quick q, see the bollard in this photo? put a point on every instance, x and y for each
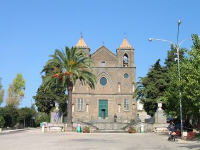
(79, 129)
(142, 128)
(42, 128)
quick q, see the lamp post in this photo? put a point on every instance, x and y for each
(177, 46)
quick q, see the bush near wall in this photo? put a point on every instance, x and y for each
(2, 121)
(86, 129)
(131, 130)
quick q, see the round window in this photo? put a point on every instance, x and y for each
(103, 81)
(126, 75)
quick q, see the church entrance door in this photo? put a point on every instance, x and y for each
(103, 108)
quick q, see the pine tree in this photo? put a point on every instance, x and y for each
(151, 88)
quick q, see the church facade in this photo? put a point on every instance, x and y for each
(112, 99)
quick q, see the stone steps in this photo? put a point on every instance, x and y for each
(105, 127)
(109, 126)
(110, 131)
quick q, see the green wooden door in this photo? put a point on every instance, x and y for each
(103, 108)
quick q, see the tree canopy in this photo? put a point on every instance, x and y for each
(16, 91)
(10, 115)
(162, 83)
(1, 92)
(70, 65)
(25, 116)
(47, 96)
(189, 85)
(151, 88)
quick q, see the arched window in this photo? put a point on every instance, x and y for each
(133, 88)
(125, 60)
(119, 87)
(103, 63)
(87, 107)
(119, 108)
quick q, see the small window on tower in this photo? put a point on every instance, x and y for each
(103, 64)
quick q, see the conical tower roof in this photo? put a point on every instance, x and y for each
(81, 43)
(125, 44)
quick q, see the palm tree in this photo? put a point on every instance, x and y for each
(71, 65)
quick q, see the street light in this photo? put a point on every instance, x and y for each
(177, 46)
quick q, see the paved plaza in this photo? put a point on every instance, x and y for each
(35, 140)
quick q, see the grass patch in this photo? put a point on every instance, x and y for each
(197, 136)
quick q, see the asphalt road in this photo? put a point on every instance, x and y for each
(35, 140)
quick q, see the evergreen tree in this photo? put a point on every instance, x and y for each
(25, 116)
(47, 95)
(1, 92)
(10, 115)
(151, 88)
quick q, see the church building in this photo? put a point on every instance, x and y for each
(112, 99)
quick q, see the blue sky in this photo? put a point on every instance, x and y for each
(30, 30)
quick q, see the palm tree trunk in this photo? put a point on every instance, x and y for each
(69, 108)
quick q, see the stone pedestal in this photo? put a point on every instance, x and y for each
(160, 124)
(56, 117)
(143, 115)
(160, 127)
(56, 121)
(160, 117)
(69, 128)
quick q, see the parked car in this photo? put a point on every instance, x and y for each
(186, 127)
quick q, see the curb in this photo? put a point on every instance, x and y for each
(12, 131)
(188, 142)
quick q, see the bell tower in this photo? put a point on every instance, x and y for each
(125, 54)
(82, 45)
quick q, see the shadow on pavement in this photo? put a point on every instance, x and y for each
(195, 147)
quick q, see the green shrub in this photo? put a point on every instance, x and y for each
(10, 115)
(25, 115)
(131, 130)
(2, 121)
(86, 129)
(41, 117)
(197, 136)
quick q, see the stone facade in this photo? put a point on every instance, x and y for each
(113, 93)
